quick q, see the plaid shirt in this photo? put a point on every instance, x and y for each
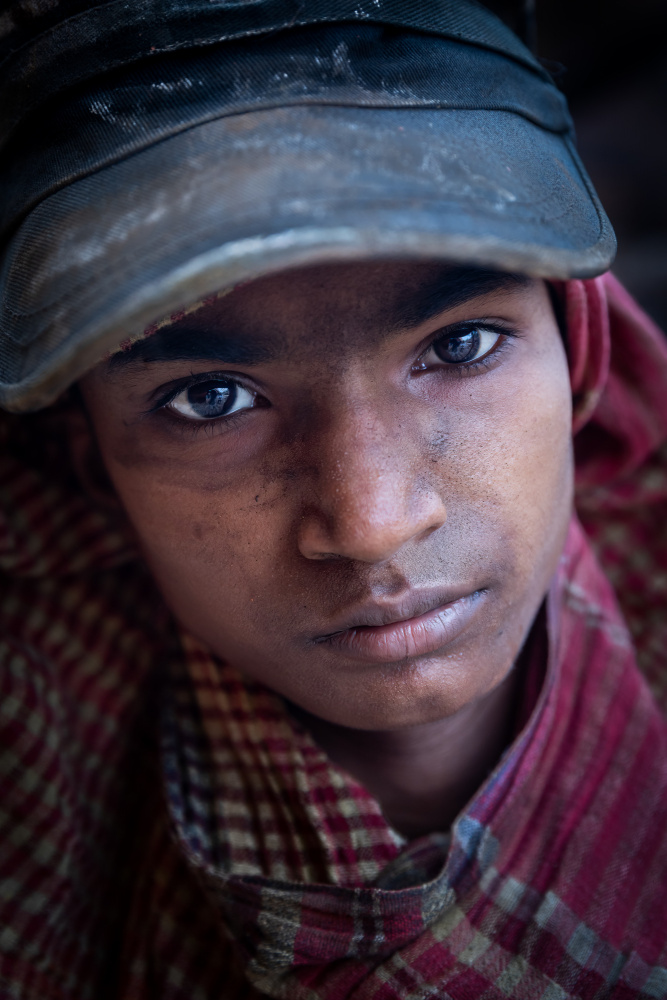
(168, 831)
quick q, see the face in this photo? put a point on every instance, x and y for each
(353, 482)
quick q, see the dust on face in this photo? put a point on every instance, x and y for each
(352, 481)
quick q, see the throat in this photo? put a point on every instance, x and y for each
(424, 775)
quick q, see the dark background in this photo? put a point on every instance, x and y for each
(610, 59)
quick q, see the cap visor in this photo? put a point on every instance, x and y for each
(226, 201)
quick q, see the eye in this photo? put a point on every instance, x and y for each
(218, 397)
(460, 347)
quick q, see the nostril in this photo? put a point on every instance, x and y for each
(433, 528)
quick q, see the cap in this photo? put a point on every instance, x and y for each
(157, 152)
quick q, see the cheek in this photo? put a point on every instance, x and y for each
(208, 532)
(515, 467)
(536, 439)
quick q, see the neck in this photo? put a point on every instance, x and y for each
(424, 775)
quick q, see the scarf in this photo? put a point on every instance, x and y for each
(168, 830)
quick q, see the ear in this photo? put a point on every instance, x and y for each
(85, 455)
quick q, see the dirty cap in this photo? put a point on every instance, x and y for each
(156, 152)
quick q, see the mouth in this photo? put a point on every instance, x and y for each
(382, 634)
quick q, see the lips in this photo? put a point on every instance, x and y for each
(382, 634)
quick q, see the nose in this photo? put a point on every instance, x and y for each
(371, 497)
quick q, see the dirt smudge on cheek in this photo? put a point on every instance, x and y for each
(167, 466)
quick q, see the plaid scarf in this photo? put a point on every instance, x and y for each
(169, 831)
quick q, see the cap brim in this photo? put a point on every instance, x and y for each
(95, 263)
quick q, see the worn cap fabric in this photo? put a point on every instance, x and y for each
(156, 152)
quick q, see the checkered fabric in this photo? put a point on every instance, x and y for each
(169, 832)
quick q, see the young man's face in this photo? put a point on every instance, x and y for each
(353, 482)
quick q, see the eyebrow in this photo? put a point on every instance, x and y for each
(183, 343)
(452, 288)
(455, 287)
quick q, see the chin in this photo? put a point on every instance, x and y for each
(404, 694)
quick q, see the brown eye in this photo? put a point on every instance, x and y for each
(212, 399)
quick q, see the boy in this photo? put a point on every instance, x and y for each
(313, 687)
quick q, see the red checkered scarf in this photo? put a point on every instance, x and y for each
(168, 831)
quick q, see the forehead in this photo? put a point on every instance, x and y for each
(353, 303)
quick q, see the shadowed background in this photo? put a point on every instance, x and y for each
(610, 59)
